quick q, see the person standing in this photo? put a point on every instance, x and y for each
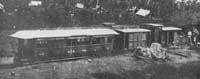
(195, 35)
(189, 34)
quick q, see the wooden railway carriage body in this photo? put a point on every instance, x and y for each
(169, 35)
(162, 34)
(131, 38)
(155, 31)
(39, 45)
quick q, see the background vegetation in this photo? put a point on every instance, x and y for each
(63, 13)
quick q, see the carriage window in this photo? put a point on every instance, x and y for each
(77, 41)
(131, 36)
(140, 35)
(109, 40)
(25, 42)
(41, 44)
(134, 36)
(73, 42)
(143, 36)
(85, 41)
(68, 42)
(95, 40)
(98, 40)
(55, 43)
(60, 43)
(81, 41)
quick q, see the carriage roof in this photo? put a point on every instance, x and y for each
(31, 34)
(153, 24)
(132, 30)
(170, 29)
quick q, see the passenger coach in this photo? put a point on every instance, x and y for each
(131, 38)
(39, 45)
(162, 34)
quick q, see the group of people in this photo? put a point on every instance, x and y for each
(192, 36)
(188, 37)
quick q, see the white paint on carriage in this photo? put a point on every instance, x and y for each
(133, 30)
(170, 28)
(153, 24)
(30, 34)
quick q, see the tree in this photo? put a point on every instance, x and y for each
(186, 13)
(63, 13)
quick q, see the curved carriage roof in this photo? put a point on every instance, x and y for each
(162, 27)
(153, 24)
(132, 30)
(170, 28)
(31, 34)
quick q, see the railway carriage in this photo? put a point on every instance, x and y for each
(131, 38)
(162, 34)
(41, 45)
(169, 35)
(155, 31)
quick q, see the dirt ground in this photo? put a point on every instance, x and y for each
(112, 67)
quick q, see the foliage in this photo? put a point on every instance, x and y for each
(186, 17)
(186, 13)
(63, 13)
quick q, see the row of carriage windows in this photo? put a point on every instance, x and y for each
(60, 43)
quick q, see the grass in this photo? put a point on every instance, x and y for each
(116, 67)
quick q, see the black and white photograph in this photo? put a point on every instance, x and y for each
(99, 39)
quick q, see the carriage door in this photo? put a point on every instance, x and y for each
(156, 36)
(56, 47)
(171, 37)
(41, 50)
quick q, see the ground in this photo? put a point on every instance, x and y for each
(110, 67)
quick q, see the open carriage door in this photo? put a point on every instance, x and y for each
(157, 36)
